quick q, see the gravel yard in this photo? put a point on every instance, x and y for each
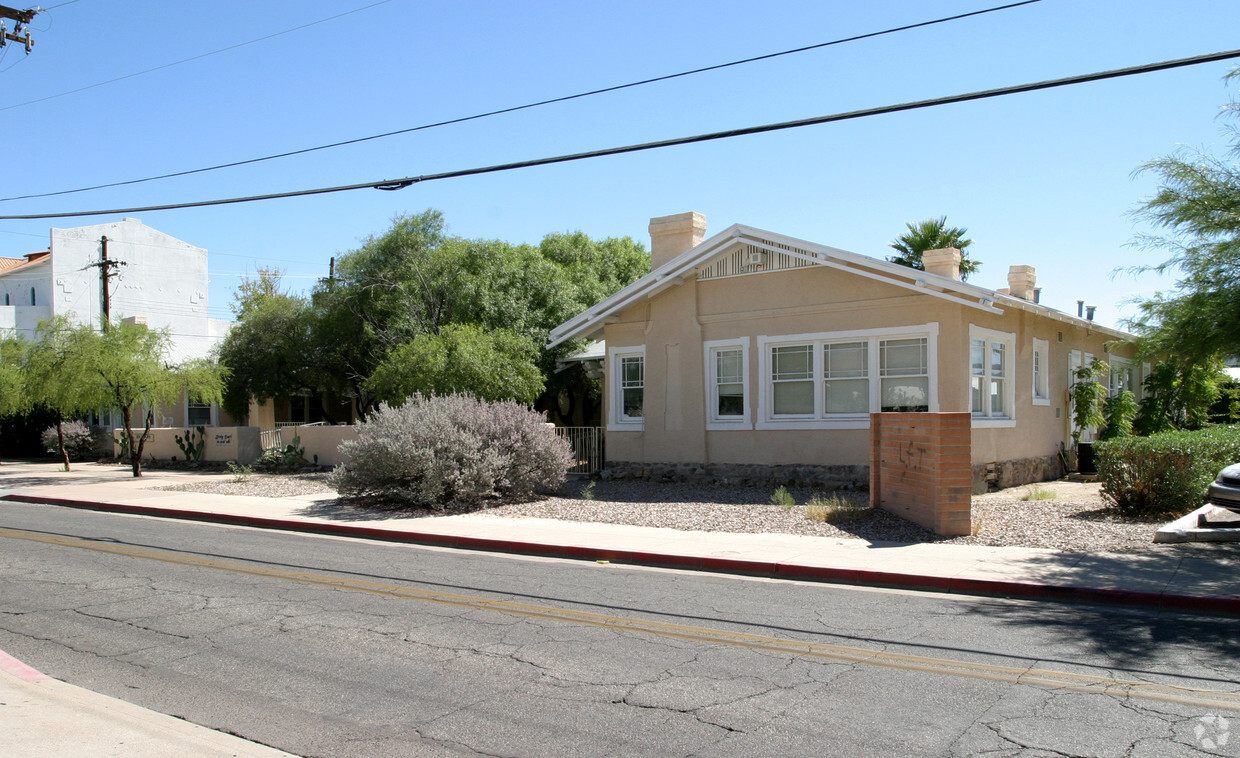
(1076, 520)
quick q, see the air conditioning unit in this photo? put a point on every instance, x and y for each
(754, 258)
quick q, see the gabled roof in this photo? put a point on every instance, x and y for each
(10, 265)
(804, 254)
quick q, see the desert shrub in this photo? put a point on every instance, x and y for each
(1165, 473)
(1038, 492)
(80, 442)
(452, 451)
(783, 498)
(836, 509)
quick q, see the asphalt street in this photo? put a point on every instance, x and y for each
(332, 647)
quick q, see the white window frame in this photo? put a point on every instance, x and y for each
(1040, 372)
(616, 420)
(1118, 367)
(215, 414)
(986, 419)
(714, 421)
(819, 420)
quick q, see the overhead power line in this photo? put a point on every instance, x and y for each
(191, 58)
(395, 184)
(512, 109)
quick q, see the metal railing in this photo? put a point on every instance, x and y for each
(587, 442)
(270, 439)
(284, 424)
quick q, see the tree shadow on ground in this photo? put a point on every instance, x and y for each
(1131, 638)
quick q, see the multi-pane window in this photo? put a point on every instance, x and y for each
(729, 383)
(1041, 391)
(198, 414)
(905, 375)
(626, 382)
(990, 388)
(841, 379)
(846, 377)
(632, 386)
(792, 380)
(1122, 377)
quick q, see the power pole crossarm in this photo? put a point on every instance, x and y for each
(21, 18)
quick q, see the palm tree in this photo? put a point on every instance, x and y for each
(933, 234)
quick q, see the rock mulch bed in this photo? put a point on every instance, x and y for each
(1076, 520)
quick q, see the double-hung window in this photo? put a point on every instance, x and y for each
(1041, 389)
(1123, 377)
(835, 380)
(727, 384)
(991, 390)
(626, 368)
(199, 414)
(904, 368)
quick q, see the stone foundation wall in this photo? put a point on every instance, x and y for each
(998, 475)
(829, 477)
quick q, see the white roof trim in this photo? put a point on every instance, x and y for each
(677, 270)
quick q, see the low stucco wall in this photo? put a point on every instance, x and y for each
(320, 441)
(222, 443)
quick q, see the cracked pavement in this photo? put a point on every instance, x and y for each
(282, 657)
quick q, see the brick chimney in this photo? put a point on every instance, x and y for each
(672, 235)
(944, 262)
(1021, 281)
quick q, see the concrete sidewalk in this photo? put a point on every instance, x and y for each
(45, 717)
(1168, 577)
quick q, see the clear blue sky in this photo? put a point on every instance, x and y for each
(1042, 179)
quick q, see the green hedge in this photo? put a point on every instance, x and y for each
(1167, 473)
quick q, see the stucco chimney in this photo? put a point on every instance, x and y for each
(1021, 281)
(672, 235)
(944, 262)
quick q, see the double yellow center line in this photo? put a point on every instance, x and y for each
(1043, 678)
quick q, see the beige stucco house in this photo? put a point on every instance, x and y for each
(755, 355)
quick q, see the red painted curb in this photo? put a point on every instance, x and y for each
(860, 577)
(14, 667)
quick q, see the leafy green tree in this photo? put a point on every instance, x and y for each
(491, 365)
(124, 367)
(1178, 395)
(269, 351)
(58, 378)
(1088, 393)
(12, 379)
(415, 280)
(933, 234)
(1197, 208)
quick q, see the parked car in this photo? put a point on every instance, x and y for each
(1225, 490)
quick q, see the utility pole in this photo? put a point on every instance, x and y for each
(22, 19)
(106, 271)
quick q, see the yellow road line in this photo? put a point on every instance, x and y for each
(1043, 678)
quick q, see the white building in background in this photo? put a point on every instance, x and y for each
(156, 279)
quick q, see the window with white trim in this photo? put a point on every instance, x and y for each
(835, 380)
(991, 390)
(199, 414)
(727, 384)
(1123, 377)
(627, 377)
(905, 375)
(1041, 386)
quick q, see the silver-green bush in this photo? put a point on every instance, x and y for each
(452, 452)
(80, 441)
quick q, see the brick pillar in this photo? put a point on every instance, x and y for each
(920, 468)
